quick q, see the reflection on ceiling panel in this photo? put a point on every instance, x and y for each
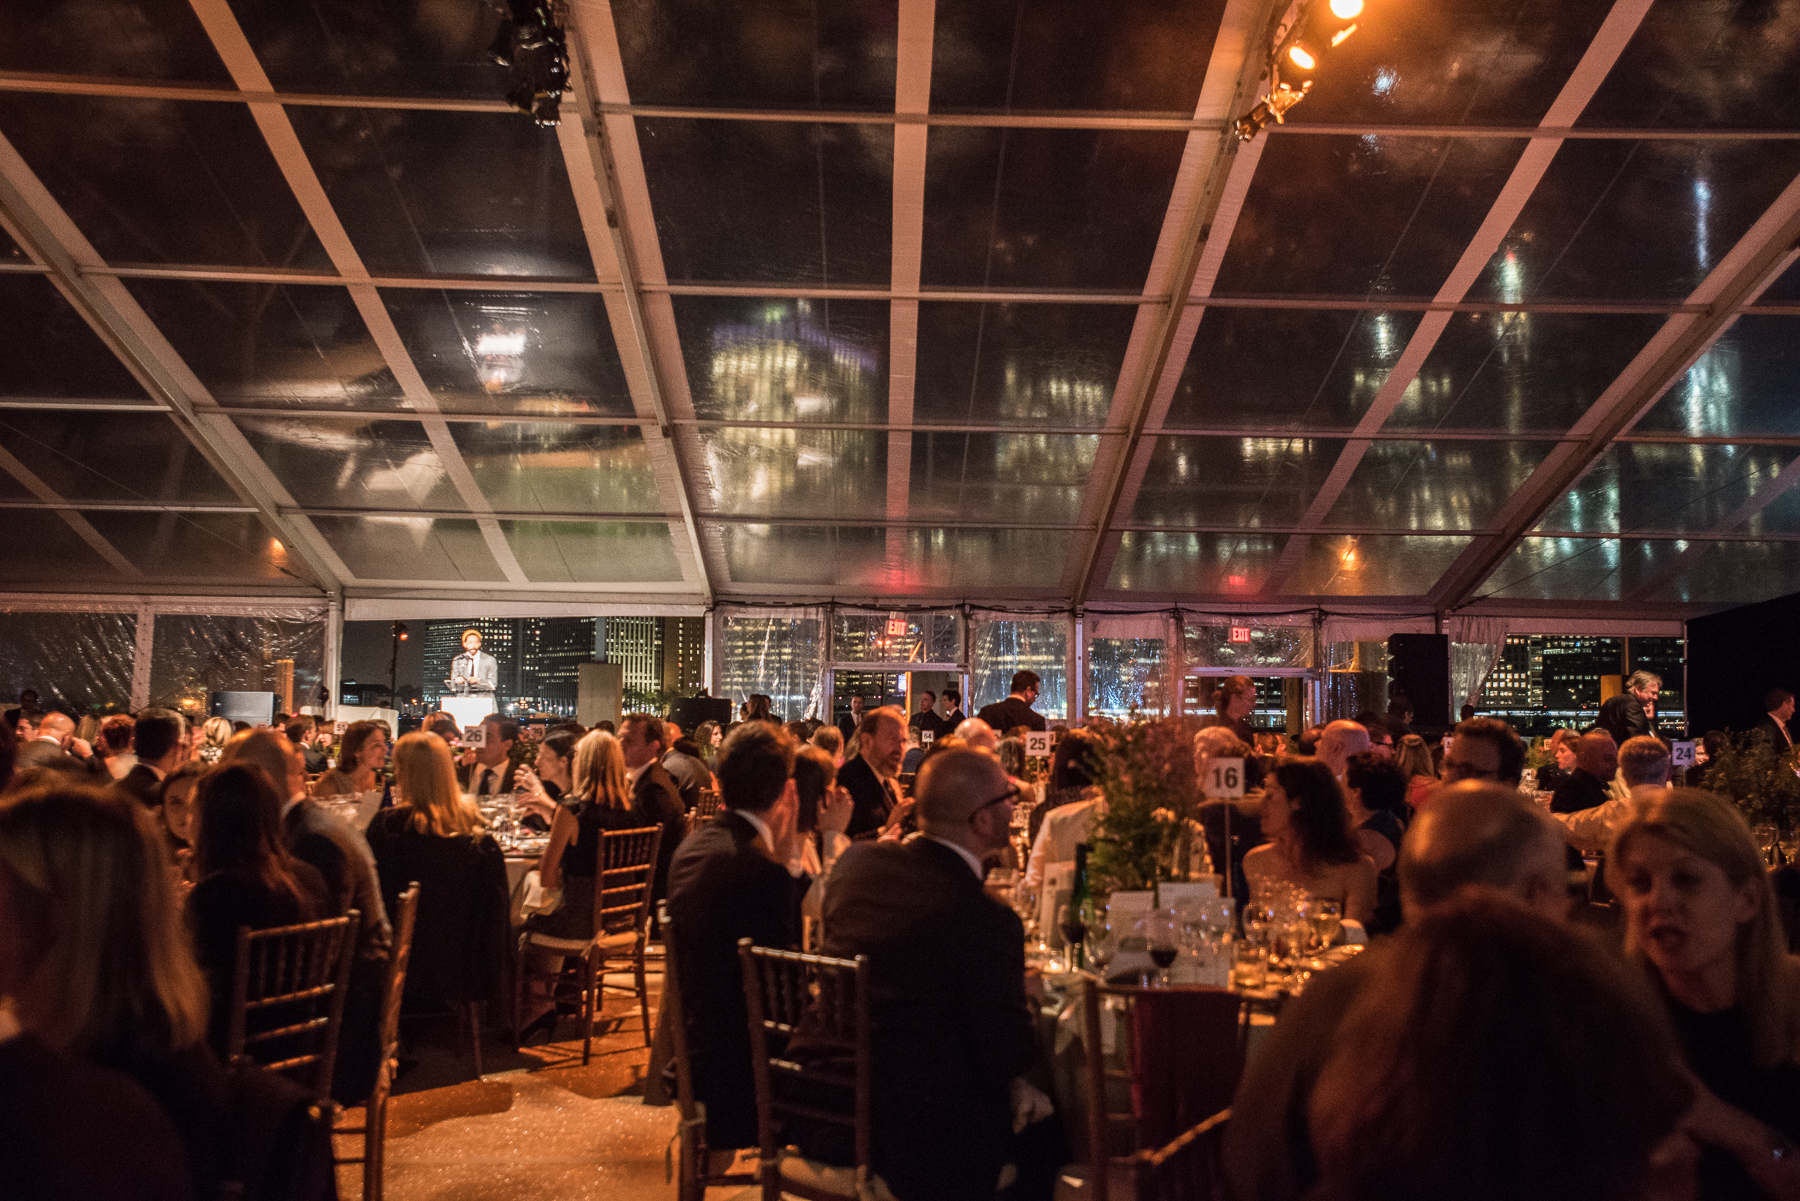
(1245, 482)
(547, 468)
(1744, 385)
(349, 464)
(1434, 485)
(1000, 478)
(411, 548)
(794, 472)
(1229, 565)
(603, 552)
(197, 547)
(1666, 486)
(1019, 364)
(111, 457)
(774, 359)
(1373, 565)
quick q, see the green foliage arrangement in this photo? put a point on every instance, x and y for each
(1149, 830)
(1760, 779)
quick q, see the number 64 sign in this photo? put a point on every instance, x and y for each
(1224, 778)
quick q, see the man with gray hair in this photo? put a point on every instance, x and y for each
(946, 964)
(1474, 835)
(1633, 711)
(1644, 769)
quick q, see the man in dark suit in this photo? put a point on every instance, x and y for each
(952, 1028)
(643, 740)
(1016, 709)
(488, 769)
(303, 732)
(1780, 705)
(1590, 784)
(160, 736)
(1633, 711)
(847, 726)
(57, 749)
(731, 881)
(869, 778)
(683, 763)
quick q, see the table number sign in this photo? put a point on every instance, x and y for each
(1037, 744)
(1224, 778)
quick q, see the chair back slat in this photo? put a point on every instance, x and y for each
(296, 977)
(826, 1001)
(676, 1020)
(623, 876)
(708, 806)
(405, 916)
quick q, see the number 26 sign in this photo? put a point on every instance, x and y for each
(1224, 778)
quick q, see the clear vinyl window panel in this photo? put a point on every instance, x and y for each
(780, 657)
(1126, 677)
(1003, 646)
(76, 661)
(896, 638)
(1211, 647)
(194, 654)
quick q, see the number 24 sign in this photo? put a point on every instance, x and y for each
(1224, 778)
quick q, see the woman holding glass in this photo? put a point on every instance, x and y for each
(543, 786)
(361, 756)
(1305, 817)
(1700, 918)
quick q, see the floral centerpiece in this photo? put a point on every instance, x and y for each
(1148, 831)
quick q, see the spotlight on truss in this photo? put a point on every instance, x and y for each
(1320, 27)
(1280, 100)
(531, 42)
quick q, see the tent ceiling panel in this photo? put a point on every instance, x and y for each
(712, 301)
(163, 181)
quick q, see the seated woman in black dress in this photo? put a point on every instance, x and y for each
(434, 835)
(599, 801)
(552, 774)
(102, 970)
(1700, 916)
(247, 877)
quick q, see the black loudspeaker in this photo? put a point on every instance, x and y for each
(1419, 666)
(257, 708)
(689, 711)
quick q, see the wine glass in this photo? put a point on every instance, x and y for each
(1768, 837)
(1161, 932)
(1327, 921)
(1070, 925)
(1100, 945)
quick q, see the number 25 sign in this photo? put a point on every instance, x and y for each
(1224, 778)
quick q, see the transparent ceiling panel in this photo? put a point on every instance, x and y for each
(1248, 481)
(1497, 62)
(1265, 369)
(776, 359)
(542, 467)
(530, 352)
(759, 53)
(198, 547)
(1235, 565)
(354, 464)
(272, 345)
(123, 39)
(447, 193)
(593, 552)
(1704, 63)
(1064, 209)
(50, 351)
(1139, 55)
(411, 548)
(1665, 486)
(1019, 364)
(1730, 573)
(1583, 569)
(38, 546)
(1000, 478)
(1521, 372)
(111, 456)
(1780, 513)
(163, 181)
(1363, 216)
(1745, 384)
(770, 201)
(1025, 562)
(1456, 485)
(817, 556)
(1785, 289)
(793, 472)
(377, 47)
(1372, 565)
(1624, 220)
(10, 251)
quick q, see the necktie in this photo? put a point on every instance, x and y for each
(487, 780)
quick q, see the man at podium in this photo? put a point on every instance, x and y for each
(474, 675)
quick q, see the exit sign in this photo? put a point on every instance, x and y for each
(1240, 633)
(896, 627)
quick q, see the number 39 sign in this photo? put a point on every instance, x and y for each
(1224, 778)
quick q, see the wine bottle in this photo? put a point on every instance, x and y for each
(1075, 930)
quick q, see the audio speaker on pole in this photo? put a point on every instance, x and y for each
(1419, 666)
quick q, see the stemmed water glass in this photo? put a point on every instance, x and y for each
(1161, 932)
(1100, 945)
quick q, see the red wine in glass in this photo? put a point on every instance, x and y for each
(1163, 957)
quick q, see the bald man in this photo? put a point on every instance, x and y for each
(952, 1028)
(57, 748)
(978, 734)
(1476, 835)
(1339, 741)
(1596, 759)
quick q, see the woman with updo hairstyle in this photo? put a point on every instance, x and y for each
(1306, 819)
(1496, 1056)
(1415, 761)
(1233, 702)
(1700, 919)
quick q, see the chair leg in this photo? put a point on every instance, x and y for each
(375, 1146)
(590, 1005)
(474, 1008)
(520, 960)
(643, 991)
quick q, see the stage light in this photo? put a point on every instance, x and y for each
(1346, 10)
(1299, 49)
(532, 44)
(1301, 57)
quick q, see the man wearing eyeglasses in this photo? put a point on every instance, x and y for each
(952, 1028)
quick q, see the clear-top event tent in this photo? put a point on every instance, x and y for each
(975, 308)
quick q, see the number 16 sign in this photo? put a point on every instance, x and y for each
(1224, 778)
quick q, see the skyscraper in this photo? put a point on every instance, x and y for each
(634, 643)
(551, 652)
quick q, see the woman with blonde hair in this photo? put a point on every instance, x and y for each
(99, 966)
(1700, 917)
(1413, 757)
(213, 736)
(434, 835)
(600, 800)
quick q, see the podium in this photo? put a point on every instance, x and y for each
(468, 709)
